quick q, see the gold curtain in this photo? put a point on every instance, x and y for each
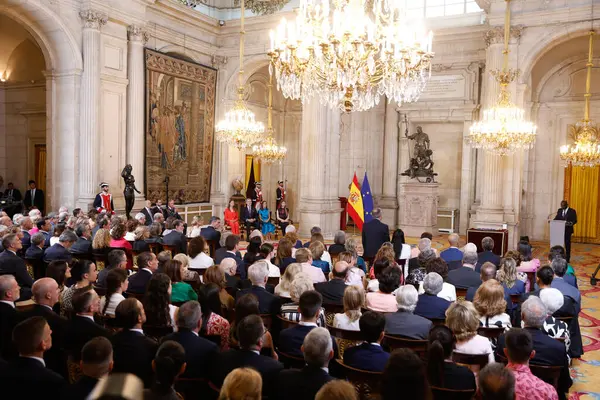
(249, 161)
(40, 166)
(582, 186)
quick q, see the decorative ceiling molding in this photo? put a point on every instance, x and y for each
(263, 7)
(496, 35)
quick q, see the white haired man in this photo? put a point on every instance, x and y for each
(403, 322)
(258, 273)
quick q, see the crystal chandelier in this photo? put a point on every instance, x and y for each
(350, 53)
(503, 128)
(239, 128)
(585, 134)
(191, 3)
(268, 151)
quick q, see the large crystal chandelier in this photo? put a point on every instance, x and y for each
(585, 134)
(268, 151)
(503, 128)
(239, 128)
(351, 52)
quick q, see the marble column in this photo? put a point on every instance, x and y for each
(135, 107)
(90, 108)
(220, 170)
(389, 199)
(319, 204)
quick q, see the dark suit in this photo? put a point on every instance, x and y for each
(133, 353)
(267, 367)
(16, 194)
(200, 354)
(57, 252)
(139, 281)
(27, 378)
(267, 302)
(571, 217)
(223, 253)
(301, 384)
(408, 325)
(178, 239)
(245, 215)
(431, 306)
(37, 202)
(79, 332)
(140, 246)
(81, 246)
(374, 234)
(332, 291)
(464, 277)
(210, 233)
(487, 256)
(35, 253)
(451, 254)
(548, 351)
(335, 249)
(11, 264)
(26, 241)
(101, 282)
(171, 212)
(8, 320)
(571, 280)
(367, 356)
(80, 389)
(148, 214)
(567, 289)
(291, 340)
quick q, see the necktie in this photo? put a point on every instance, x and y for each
(564, 213)
(10, 193)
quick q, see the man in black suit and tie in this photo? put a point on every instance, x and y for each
(487, 272)
(9, 293)
(12, 193)
(82, 327)
(369, 355)
(333, 290)
(267, 302)
(250, 331)
(83, 245)
(115, 259)
(133, 351)
(403, 322)
(148, 212)
(11, 264)
(176, 237)
(211, 232)
(60, 251)
(304, 384)
(171, 210)
(26, 225)
(565, 213)
(96, 363)
(431, 306)
(27, 377)
(374, 234)
(34, 197)
(231, 250)
(147, 266)
(487, 255)
(249, 217)
(465, 276)
(44, 227)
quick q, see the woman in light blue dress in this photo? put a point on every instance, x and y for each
(265, 219)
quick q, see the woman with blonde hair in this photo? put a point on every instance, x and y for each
(355, 275)
(302, 283)
(196, 227)
(490, 304)
(463, 320)
(507, 276)
(285, 284)
(316, 250)
(141, 233)
(187, 275)
(242, 384)
(101, 242)
(292, 236)
(354, 300)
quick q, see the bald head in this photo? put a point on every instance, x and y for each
(488, 271)
(453, 239)
(340, 270)
(228, 266)
(45, 291)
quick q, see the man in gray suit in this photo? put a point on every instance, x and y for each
(403, 322)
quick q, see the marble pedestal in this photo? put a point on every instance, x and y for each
(418, 208)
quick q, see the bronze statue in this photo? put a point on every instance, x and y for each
(421, 164)
(129, 188)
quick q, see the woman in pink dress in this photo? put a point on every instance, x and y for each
(528, 264)
(232, 218)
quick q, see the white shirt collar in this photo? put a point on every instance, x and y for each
(47, 306)
(303, 323)
(325, 369)
(36, 358)
(10, 303)
(195, 333)
(147, 269)
(86, 316)
(137, 330)
(232, 252)
(256, 351)
(375, 344)
(11, 251)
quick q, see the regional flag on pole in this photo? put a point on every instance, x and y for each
(367, 199)
(355, 204)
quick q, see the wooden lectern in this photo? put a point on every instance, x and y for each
(557, 232)
(500, 237)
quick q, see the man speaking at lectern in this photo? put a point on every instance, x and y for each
(569, 215)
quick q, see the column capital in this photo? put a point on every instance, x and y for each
(496, 35)
(93, 19)
(137, 33)
(218, 61)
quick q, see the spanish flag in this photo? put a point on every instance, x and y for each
(355, 204)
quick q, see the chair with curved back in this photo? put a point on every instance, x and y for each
(451, 394)
(212, 247)
(490, 333)
(398, 342)
(475, 362)
(157, 332)
(290, 361)
(461, 293)
(547, 373)
(283, 322)
(155, 248)
(331, 310)
(345, 338)
(365, 382)
(174, 250)
(100, 259)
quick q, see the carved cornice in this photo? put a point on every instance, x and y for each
(261, 7)
(485, 5)
(93, 19)
(218, 62)
(136, 33)
(496, 35)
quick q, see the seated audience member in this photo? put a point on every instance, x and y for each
(116, 259)
(155, 230)
(187, 275)
(440, 267)
(215, 275)
(463, 321)
(159, 217)
(401, 249)
(252, 251)
(283, 256)
(83, 245)
(429, 304)
(339, 243)
(355, 275)
(285, 283)
(60, 251)
(147, 266)
(200, 260)
(250, 333)
(559, 251)
(554, 327)
(9, 294)
(180, 291)
(290, 311)
(168, 364)
(212, 323)
(141, 219)
(378, 267)
(163, 257)
(27, 376)
(487, 255)
(304, 384)
(519, 350)
(452, 253)
(352, 247)
(212, 232)
(157, 302)
(117, 234)
(490, 304)
(417, 274)
(486, 272)
(316, 250)
(267, 252)
(26, 225)
(559, 265)
(82, 327)
(369, 355)
(441, 370)
(130, 227)
(140, 237)
(318, 237)
(383, 300)
(116, 285)
(61, 273)
(177, 237)
(544, 278)
(354, 300)
(337, 390)
(304, 257)
(231, 250)
(259, 274)
(84, 275)
(333, 290)
(229, 268)
(507, 276)
(96, 363)
(465, 276)
(242, 384)
(292, 236)
(36, 250)
(403, 322)
(11, 264)
(496, 382)
(548, 351)
(57, 230)
(101, 242)
(424, 243)
(133, 351)
(528, 263)
(244, 306)
(405, 373)
(385, 253)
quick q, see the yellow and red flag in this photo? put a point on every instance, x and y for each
(355, 204)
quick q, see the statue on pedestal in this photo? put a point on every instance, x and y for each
(421, 163)
(129, 188)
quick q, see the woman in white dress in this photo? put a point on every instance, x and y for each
(116, 284)
(267, 252)
(354, 300)
(199, 259)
